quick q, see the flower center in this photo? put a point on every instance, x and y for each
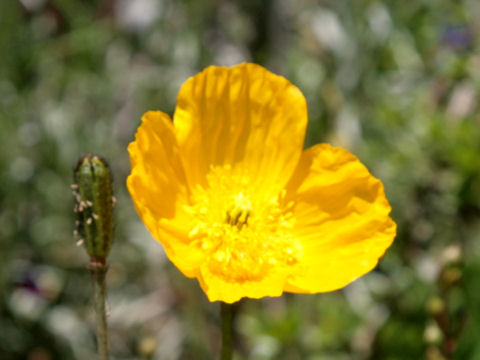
(244, 231)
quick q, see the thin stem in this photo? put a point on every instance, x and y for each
(226, 311)
(99, 271)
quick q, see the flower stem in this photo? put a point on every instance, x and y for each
(226, 311)
(99, 270)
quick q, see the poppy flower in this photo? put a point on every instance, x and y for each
(238, 204)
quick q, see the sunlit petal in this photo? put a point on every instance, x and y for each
(341, 219)
(245, 117)
(159, 190)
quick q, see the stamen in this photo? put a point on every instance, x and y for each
(245, 233)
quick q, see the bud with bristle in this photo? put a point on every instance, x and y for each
(93, 197)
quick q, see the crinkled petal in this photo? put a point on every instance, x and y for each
(218, 289)
(159, 189)
(244, 117)
(341, 220)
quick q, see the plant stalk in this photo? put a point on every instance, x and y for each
(226, 312)
(99, 270)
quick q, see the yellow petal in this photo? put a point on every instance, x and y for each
(341, 220)
(242, 116)
(217, 288)
(159, 190)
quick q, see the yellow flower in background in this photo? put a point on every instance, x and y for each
(236, 202)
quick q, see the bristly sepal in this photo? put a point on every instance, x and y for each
(93, 205)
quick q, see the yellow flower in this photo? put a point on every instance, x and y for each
(237, 204)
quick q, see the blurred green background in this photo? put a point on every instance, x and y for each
(397, 83)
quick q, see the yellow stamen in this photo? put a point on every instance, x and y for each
(245, 233)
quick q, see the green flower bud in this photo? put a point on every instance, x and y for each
(93, 205)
